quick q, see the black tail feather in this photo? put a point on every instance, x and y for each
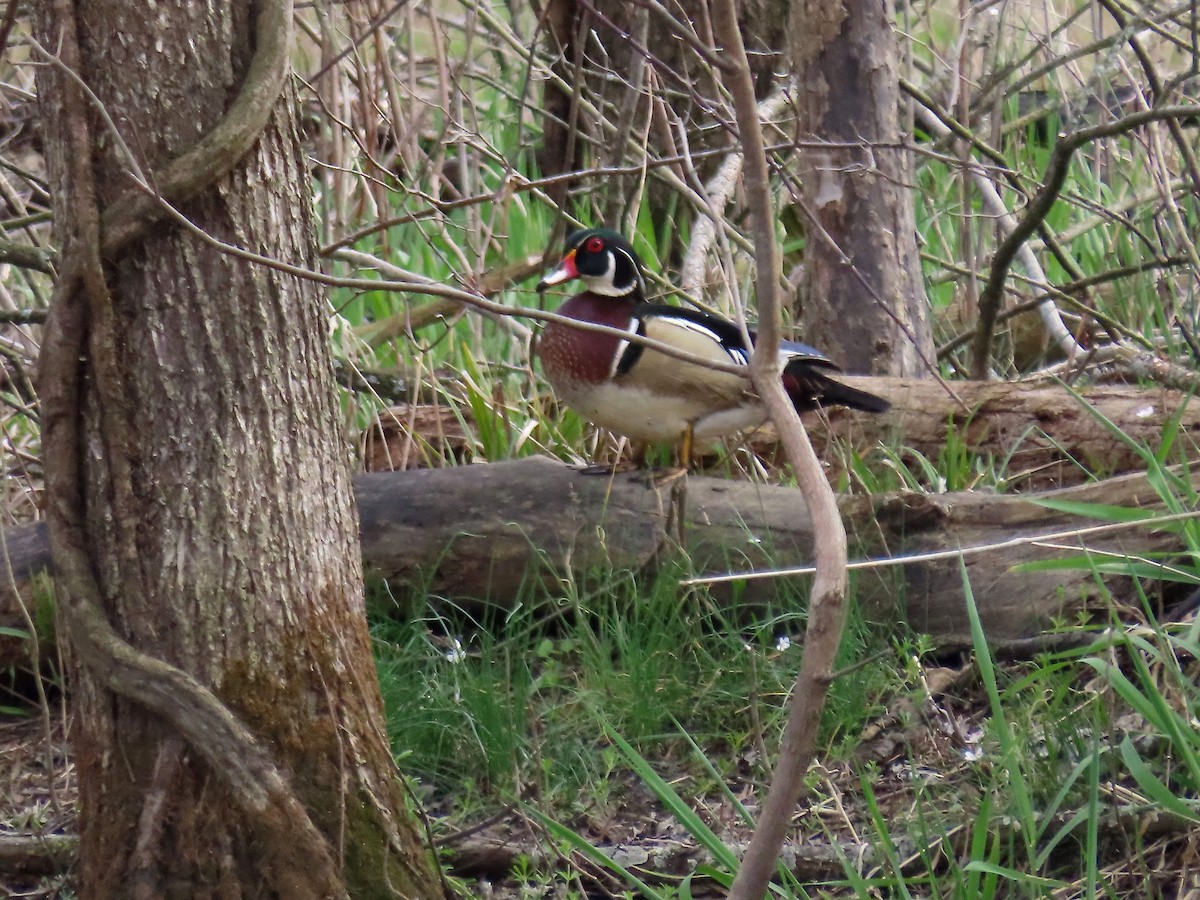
(811, 389)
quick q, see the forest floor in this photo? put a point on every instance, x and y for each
(870, 813)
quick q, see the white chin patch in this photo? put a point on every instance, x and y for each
(603, 284)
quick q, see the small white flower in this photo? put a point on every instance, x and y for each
(456, 654)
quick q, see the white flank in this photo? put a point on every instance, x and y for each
(735, 354)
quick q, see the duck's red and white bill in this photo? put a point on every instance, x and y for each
(564, 271)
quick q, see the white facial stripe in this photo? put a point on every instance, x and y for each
(633, 267)
(632, 327)
(603, 284)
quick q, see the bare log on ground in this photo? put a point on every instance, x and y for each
(484, 531)
(480, 533)
(1039, 432)
(657, 860)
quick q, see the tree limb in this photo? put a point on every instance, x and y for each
(25, 256)
(1035, 213)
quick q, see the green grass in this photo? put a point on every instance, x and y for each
(500, 702)
(1025, 780)
(1017, 784)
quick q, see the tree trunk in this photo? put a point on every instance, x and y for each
(217, 519)
(846, 59)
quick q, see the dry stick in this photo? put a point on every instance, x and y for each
(1037, 210)
(719, 190)
(930, 107)
(1066, 295)
(994, 206)
(827, 606)
(988, 94)
(22, 316)
(1184, 144)
(280, 822)
(26, 257)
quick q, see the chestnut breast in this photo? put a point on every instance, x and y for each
(586, 356)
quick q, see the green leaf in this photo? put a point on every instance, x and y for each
(1153, 788)
(1103, 511)
(686, 816)
(578, 843)
(1014, 875)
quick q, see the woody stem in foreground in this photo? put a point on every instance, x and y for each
(827, 606)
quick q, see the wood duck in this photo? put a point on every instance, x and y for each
(645, 394)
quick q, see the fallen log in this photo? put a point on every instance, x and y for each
(1039, 435)
(482, 533)
(1044, 435)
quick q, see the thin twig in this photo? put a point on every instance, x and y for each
(1037, 210)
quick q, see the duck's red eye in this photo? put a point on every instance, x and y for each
(593, 245)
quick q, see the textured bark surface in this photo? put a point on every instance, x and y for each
(845, 56)
(221, 525)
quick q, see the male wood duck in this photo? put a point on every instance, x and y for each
(645, 394)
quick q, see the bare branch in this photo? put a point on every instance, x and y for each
(827, 605)
(1037, 210)
(719, 190)
(25, 256)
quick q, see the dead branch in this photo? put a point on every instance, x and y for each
(1035, 213)
(827, 606)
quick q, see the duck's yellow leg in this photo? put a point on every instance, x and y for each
(685, 449)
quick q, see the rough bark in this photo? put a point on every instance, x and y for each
(218, 517)
(560, 151)
(845, 56)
